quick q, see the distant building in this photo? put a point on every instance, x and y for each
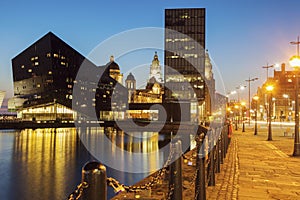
(151, 94)
(114, 70)
(44, 75)
(188, 59)
(283, 95)
(155, 69)
(2, 95)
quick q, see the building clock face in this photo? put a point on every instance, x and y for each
(154, 71)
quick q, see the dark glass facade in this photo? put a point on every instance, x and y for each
(47, 70)
(182, 54)
(184, 58)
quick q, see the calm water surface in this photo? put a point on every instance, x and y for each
(46, 163)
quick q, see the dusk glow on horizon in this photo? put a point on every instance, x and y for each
(241, 36)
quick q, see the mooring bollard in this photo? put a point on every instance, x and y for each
(175, 183)
(200, 192)
(94, 174)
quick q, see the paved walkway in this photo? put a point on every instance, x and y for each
(253, 169)
(258, 169)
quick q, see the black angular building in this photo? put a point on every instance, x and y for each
(184, 63)
(44, 75)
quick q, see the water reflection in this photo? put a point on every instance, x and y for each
(135, 152)
(46, 163)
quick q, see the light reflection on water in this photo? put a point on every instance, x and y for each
(46, 163)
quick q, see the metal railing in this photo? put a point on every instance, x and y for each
(211, 148)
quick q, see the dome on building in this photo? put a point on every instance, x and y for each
(130, 77)
(113, 65)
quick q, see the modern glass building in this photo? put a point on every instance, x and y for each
(184, 63)
(44, 76)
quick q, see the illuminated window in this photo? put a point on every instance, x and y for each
(55, 55)
(104, 96)
(50, 72)
(70, 86)
(36, 63)
(38, 85)
(22, 66)
(62, 63)
(29, 70)
(48, 55)
(62, 57)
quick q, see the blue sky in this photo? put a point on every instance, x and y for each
(242, 35)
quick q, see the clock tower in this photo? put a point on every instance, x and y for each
(155, 69)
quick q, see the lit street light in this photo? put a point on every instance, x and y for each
(249, 81)
(255, 116)
(270, 89)
(295, 63)
(243, 104)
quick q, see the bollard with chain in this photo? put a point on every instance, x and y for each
(200, 192)
(94, 174)
(175, 182)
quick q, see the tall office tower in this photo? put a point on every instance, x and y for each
(184, 63)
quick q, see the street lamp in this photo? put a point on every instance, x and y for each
(249, 81)
(270, 89)
(236, 121)
(256, 102)
(295, 63)
(243, 120)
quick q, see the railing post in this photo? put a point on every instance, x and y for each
(224, 143)
(218, 169)
(94, 174)
(175, 183)
(211, 167)
(221, 147)
(200, 191)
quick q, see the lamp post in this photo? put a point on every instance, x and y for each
(295, 63)
(255, 116)
(270, 89)
(236, 120)
(243, 111)
(249, 81)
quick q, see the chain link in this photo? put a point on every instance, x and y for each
(77, 193)
(121, 187)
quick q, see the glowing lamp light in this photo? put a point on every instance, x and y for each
(295, 61)
(270, 88)
(256, 97)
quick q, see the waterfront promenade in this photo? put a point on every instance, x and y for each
(254, 168)
(263, 169)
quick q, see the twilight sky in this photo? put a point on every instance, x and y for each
(241, 35)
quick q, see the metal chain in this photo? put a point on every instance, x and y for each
(121, 187)
(170, 192)
(77, 193)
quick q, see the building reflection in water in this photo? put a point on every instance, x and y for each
(134, 152)
(46, 163)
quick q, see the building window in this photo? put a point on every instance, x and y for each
(55, 55)
(48, 55)
(50, 72)
(29, 70)
(36, 63)
(22, 67)
(62, 63)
